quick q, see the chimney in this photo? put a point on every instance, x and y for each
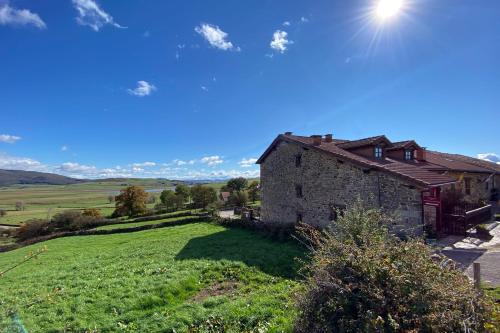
(421, 155)
(328, 137)
(288, 133)
(316, 140)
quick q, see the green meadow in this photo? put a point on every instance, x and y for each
(184, 278)
(44, 201)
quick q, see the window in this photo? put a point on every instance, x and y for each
(299, 217)
(298, 191)
(408, 154)
(298, 160)
(378, 152)
(467, 185)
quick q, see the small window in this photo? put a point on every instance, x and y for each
(298, 160)
(299, 217)
(378, 152)
(408, 154)
(467, 185)
(298, 191)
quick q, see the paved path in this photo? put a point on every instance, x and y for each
(227, 214)
(467, 250)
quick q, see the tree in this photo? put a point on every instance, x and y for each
(254, 191)
(237, 184)
(238, 199)
(131, 202)
(111, 198)
(168, 199)
(182, 191)
(151, 198)
(19, 205)
(202, 196)
(3, 212)
(363, 279)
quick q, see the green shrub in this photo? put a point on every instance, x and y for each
(362, 279)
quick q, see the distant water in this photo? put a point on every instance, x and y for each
(151, 190)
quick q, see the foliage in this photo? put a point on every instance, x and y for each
(172, 201)
(363, 279)
(147, 282)
(130, 202)
(151, 198)
(254, 191)
(111, 198)
(238, 198)
(183, 192)
(202, 196)
(3, 212)
(93, 212)
(70, 220)
(237, 184)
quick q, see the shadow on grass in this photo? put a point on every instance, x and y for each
(272, 257)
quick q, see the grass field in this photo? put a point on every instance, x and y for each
(42, 201)
(161, 280)
(123, 225)
(46, 200)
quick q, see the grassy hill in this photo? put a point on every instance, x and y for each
(163, 280)
(12, 177)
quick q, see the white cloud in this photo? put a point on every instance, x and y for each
(286, 23)
(90, 14)
(20, 163)
(143, 89)
(144, 164)
(304, 19)
(280, 41)
(490, 157)
(71, 167)
(14, 16)
(215, 36)
(64, 148)
(247, 162)
(6, 138)
(212, 160)
(204, 88)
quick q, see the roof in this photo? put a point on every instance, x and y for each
(363, 142)
(403, 144)
(421, 173)
(463, 163)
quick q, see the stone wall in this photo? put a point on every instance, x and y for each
(328, 182)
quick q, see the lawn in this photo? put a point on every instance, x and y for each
(123, 225)
(162, 280)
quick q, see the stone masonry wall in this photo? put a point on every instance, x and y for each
(328, 182)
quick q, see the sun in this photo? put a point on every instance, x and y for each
(388, 8)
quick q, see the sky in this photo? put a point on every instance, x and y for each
(199, 89)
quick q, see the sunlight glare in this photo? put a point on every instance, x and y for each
(388, 8)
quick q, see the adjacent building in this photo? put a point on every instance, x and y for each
(310, 178)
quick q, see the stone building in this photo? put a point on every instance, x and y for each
(309, 179)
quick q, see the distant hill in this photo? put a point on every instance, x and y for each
(13, 177)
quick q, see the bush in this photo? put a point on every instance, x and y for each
(362, 279)
(70, 220)
(483, 232)
(33, 228)
(93, 212)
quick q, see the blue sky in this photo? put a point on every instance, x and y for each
(198, 89)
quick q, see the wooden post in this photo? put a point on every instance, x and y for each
(477, 275)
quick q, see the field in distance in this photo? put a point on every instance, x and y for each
(42, 201)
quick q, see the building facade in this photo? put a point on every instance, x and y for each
(309, 179)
